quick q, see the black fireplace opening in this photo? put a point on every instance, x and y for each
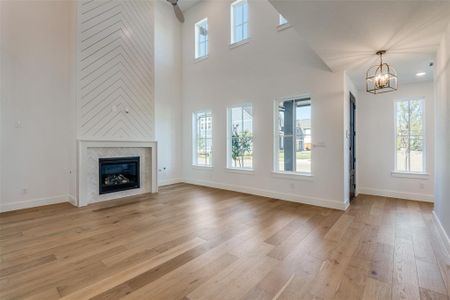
(118, 174)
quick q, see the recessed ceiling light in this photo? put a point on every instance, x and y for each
(420, 74)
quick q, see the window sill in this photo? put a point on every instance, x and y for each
(240, 43)
(283, 27)
(199, 59)
(294, 175)
(200, 167)
(410, 175)
(241, 171)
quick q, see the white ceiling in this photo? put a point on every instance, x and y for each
(346, 34)
(185, 4)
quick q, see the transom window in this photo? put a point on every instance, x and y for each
(293, 136)
(239, 21)
(240, 137)
(410, 136)
(282, 20)
(201, 39)
(202, 138)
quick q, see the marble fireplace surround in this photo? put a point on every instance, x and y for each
(91, 150)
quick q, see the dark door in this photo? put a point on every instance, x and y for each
(352, 137)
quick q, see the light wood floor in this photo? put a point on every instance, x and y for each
(189, 242)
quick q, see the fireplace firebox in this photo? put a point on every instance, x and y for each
(118, 174)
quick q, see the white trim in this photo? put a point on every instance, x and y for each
(283, 26)
(396, 194)
(241, 171)
(442, 233)
(199, 59)
(202, 167)
(240, 43)
(4, 207)
(169, 181)
(410, 175)
(72, 200)
(270, 194)
(293, 175)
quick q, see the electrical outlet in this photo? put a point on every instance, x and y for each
(421, 185)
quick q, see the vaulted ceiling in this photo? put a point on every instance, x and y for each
(346, 34)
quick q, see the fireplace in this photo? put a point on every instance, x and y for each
(118, 174)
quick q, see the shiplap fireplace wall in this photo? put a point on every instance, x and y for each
(115, 91)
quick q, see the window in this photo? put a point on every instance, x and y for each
(282, 21)
(240, 137)
(409, 139)
(202, 138)
(293, 136)
(201, 39)
(239, 21)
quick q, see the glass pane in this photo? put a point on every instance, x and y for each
(286, 157)
(241, 137)
(416, 117)
(416, 154)
(245, 12)
(402, 153)
(303, 136)
(245, 31)
(238, 33)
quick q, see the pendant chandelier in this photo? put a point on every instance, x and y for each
(381, 78)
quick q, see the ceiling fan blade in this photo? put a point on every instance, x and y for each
(178, 13)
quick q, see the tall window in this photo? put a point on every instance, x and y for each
(240, 137)
(202, 138)
(239, 21)
(410, 136)
(201, 39)
(282, 21)
(293, 136)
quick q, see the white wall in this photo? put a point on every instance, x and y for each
(168, 103)
(376, 144)
(271, 66)
(36, 123)
(442, 80)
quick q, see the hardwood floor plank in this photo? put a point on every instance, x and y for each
(190, 242)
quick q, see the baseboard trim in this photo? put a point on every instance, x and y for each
(72, 200)
(442, 233)
(396, 194)
(170, 181)
(271, 194)
(36, 203)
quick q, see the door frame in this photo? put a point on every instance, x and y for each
(352, 146)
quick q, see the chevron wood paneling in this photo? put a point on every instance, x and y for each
(115, 69)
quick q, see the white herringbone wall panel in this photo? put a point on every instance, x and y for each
(115, 67)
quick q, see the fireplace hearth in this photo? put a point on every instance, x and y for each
(118, 174)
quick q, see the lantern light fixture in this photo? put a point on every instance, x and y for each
(381, 78)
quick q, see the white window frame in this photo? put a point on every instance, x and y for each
(424, 155)
(276, 140)
(232, 25)
(194, 138)
(229, 135)
(197, 39)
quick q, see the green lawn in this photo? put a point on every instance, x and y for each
(299, 155)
